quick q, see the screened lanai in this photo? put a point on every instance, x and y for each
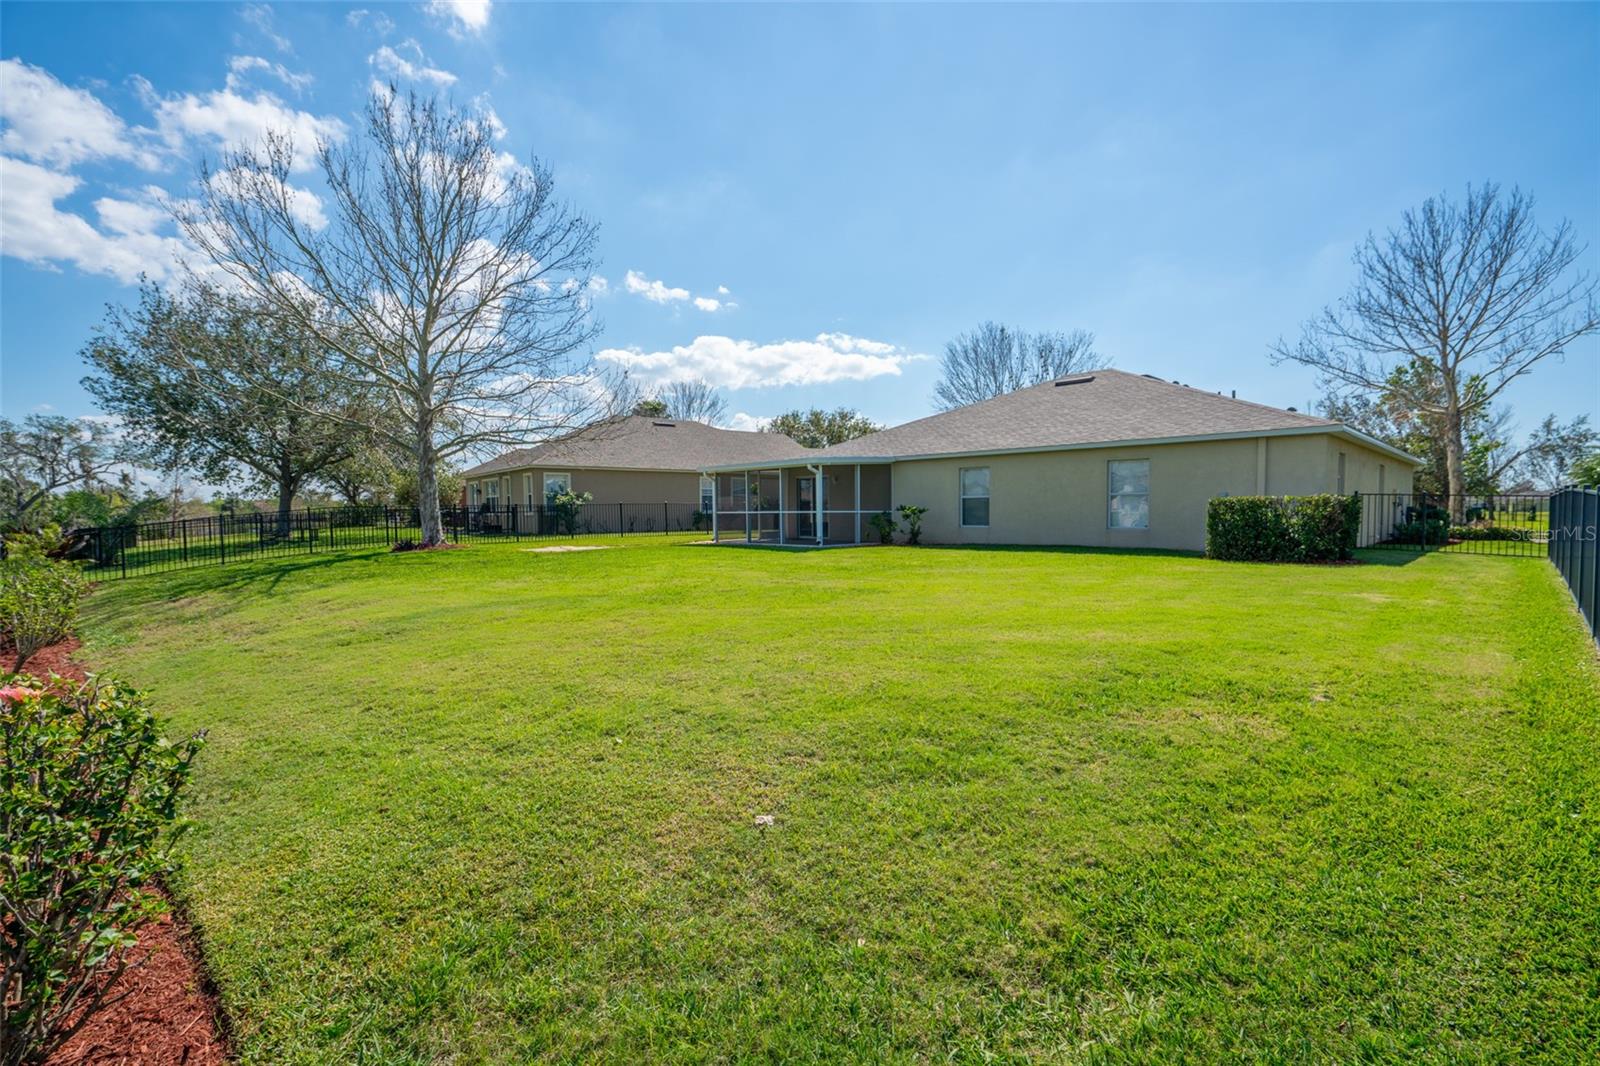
(800, 504)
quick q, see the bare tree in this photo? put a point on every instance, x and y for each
(46, 453)
(446, 279)
(1449, 309)
(995, 359)
(694, 401)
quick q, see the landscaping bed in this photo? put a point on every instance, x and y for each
(163, 1011)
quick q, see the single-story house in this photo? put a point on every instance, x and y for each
(638, 469)
(1107, 458)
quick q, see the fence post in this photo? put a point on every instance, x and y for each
(619, 520)
(122, 551)
(222, 538)
(183, 529)
(664, 519)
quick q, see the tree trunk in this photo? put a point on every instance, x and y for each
(428, 491)
(286, 488)
(1455, 477)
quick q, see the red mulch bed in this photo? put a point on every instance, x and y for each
(167, 1013)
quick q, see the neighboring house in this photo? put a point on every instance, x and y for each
(634, 464)
(1106, 458)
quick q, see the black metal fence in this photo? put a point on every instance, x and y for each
(1575, 548)
(153, 547)
(1499, 524)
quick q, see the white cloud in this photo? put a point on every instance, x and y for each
(260, 16)
(393, 63)
(50, 123)
(706, 303)
(657, 292)
(32, 228)
(462, 16)
(380, 22)
(238, 121)
(748, 423)
(239, 66)
(740, 364)
(130, 217)
(722, 290)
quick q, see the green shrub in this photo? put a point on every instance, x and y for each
(38, 604)
(46, 542)
(1249, 529)
(1487, 532)
(1416, 531)
(88, 809)
(884, 524)
(1283, 529)
(912, 517)
(1324, 527)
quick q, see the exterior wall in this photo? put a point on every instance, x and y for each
(1061, 497)
(607, 486)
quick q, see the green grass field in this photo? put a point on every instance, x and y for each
(496, 806)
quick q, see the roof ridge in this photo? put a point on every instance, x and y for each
(1220, 396)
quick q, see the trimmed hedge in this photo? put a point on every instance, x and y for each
(1283, 529)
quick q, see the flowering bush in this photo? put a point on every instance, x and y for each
(566, 507)
(38, 603)
(88, 813)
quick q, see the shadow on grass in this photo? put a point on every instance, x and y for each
(262, 575)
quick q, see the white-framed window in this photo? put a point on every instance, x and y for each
(1128, 494)
(557, 485)
(493, 486)
(975, 496)
(1341, 474)
(527, 490)
(477, 493)
(708, 495)
(1381, 478)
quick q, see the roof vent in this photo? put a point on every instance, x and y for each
(1075, 381)
(665, 425)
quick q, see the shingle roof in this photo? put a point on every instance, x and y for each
(1102, 407)
(639, 442)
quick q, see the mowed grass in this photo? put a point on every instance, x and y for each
(497, 806)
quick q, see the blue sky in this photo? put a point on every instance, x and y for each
(1187, 182)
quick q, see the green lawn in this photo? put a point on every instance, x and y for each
(494, 806)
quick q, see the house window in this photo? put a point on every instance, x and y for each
(1341, 474)
(527, 489)
(975, 496)
(494, 492)
(477, 494)
(557, 485)
(1381, 472)
(708, 495)
(1128, 491)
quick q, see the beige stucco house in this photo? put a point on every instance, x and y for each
(1107, 458)
(639, 471)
